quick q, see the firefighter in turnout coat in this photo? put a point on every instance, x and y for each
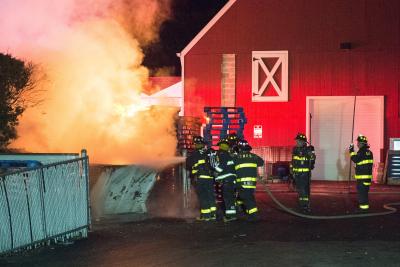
(363, 160)
(226, 175)
(246, 164)
(303, 160)
(198, 163)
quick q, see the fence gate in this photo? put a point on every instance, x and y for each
(44, 205)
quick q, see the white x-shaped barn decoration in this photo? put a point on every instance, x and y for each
(264, 77)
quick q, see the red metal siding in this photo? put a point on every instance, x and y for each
(311, 30)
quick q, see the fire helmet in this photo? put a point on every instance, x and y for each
(223, 144)
(232, 139)
(198, 140)
(362, 139)
(244, 145)
(301, 137)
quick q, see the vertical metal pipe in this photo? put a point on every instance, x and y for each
(85, 161)
(352, 137)
(184, 181)
(28, 206)
(42, 191)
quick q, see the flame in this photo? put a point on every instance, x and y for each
(92, 62)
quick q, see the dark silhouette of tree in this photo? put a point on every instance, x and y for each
(17, 92)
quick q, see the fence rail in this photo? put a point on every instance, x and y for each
(44, 204)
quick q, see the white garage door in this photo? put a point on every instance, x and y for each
(330, 126)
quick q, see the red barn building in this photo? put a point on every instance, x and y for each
(296, 66)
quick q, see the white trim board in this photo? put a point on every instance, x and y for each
(258, 65)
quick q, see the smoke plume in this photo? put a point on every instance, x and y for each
(91, 54)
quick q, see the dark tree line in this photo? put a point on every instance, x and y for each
(17, 92)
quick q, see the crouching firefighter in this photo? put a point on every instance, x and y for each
(303, 160)
(226, 175)
(364, 161)
(198, 163)
(246, 164)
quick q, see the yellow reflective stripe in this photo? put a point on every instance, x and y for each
(364, 207)
(369, 176)
(301, 169)
(239, 202)
(246, 165)
(249, 186)
(220, 177)
(206, 176)
(205, 211)
(367, 161)
(194, 171)
(304, 198)
(252, 210)
(365, 183)
(247, 179)
(201, 161)
(213, 208)
(353, 153)
(299, 158)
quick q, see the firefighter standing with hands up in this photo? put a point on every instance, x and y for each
(364, 161)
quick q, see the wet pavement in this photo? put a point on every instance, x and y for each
(278, 239)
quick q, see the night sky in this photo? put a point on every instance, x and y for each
(189, 17)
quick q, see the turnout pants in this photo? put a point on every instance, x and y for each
(302, 180)
(362, 192)
(205, 193)
(249, 201)
(228, 191)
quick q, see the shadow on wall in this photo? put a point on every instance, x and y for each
(343, 169)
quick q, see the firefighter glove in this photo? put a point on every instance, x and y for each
(351, 147)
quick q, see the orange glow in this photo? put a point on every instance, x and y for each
(94, 79)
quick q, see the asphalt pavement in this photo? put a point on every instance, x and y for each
(278, 239)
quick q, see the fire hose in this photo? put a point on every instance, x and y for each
(387, 206)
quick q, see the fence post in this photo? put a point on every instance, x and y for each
(3, 179)
(185, 183)
(85, 158)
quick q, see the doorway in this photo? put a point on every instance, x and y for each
(329, 126)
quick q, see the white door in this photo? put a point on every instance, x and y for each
(330, 129)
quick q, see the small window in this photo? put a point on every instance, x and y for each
(270, 76)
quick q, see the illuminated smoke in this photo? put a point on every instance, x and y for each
(91, 52)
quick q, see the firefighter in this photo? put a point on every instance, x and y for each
(233, 141)
(199, 164)
(226, 176)
(364, 161)
(303, 160)
(246, 164)
(234, 150)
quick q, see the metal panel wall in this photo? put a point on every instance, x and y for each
(311, 31)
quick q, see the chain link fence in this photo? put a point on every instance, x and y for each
(44, 205)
